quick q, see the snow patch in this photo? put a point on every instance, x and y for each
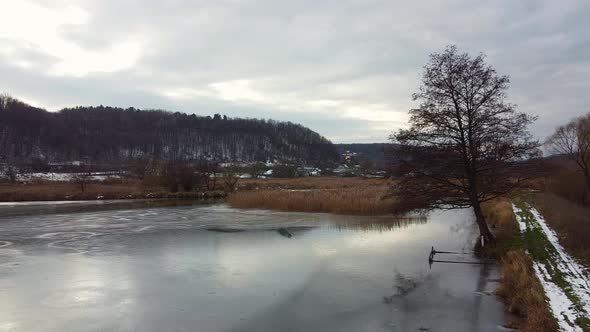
(572, 272)
(521, 224)
(560, 304)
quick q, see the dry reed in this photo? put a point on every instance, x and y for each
(499, 215)
(366, 198)
(523, 294)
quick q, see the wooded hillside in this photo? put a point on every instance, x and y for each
(113, 134)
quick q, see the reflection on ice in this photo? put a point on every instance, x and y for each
(212, 268)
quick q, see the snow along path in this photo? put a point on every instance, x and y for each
(563, 279)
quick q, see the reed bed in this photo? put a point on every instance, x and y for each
(499, 215)
(369, 199)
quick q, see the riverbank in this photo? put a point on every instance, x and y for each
(541, 282)
(563, 279)
(105, 190)
(519, 288)
(131, 188)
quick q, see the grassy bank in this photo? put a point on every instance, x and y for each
(563, 276)
(334, 195)
(523, 294)
(520, 289)
(541, 283)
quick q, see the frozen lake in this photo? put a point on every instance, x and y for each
(212, 268)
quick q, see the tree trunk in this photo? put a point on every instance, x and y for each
(484, 230)
(587, 176)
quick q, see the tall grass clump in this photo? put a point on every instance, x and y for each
(499, 215)
(523, 294)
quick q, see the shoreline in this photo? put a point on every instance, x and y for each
(67, 191)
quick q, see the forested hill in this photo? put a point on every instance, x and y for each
(115, 134)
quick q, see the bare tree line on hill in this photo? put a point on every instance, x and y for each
(108, 134)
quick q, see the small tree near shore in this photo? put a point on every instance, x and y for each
(465, 144)
(81, 179)
(257, 169)
(11, 173)
(231, 176)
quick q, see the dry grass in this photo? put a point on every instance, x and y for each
(334, 195)
(523, 294)
(499, 216)
(569, 183)
(571, 221)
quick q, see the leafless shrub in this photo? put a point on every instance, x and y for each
(230, 179)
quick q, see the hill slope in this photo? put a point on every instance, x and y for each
(115, 134)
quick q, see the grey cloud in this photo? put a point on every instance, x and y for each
(357, 53)
(25, 53)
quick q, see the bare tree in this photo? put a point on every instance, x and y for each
(82, 180)
(366, 166)
(231, 177)
(83, 177)
(177, 176)
(11, 173)
(139, 167)
(573, 141)
(465, 144)
(212, 170)
(257, 169)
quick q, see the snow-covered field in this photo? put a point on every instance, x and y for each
(565, 281)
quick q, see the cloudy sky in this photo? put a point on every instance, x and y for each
(344, 68)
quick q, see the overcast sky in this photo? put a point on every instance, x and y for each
(344, 68)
